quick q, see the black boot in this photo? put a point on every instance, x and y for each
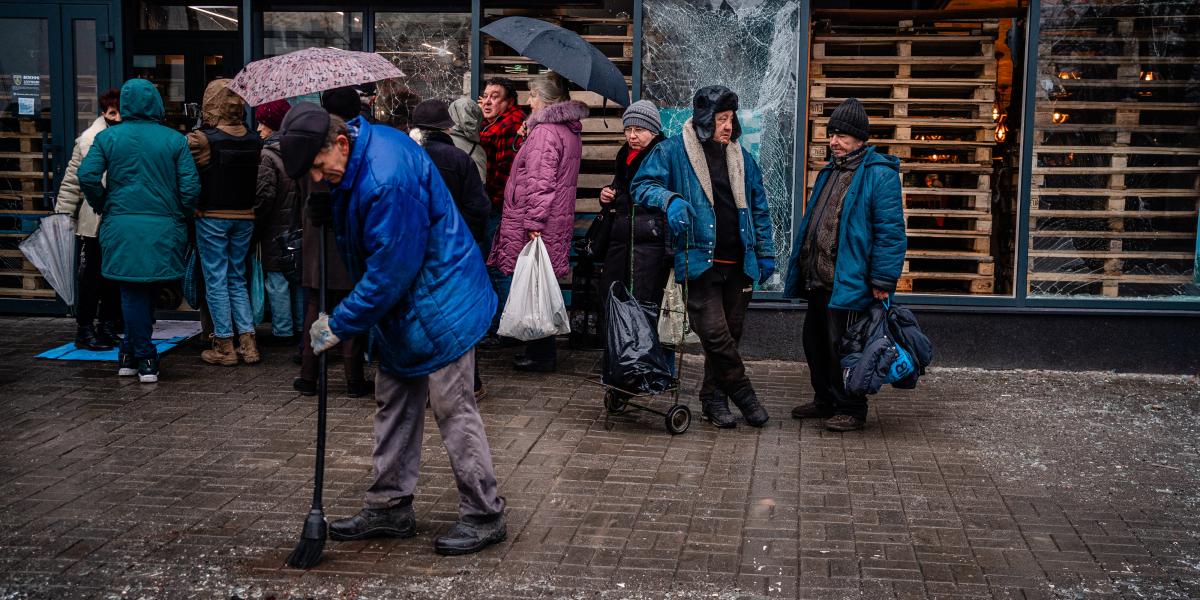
(85, 339)
(747, 402)
(397, 522)
(304, 386)
(108, 332)
(472, 535)
(716, 410)
(358, 389)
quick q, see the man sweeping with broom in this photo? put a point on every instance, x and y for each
(424, 292)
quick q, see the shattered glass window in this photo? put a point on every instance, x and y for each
(1117, 161)
(434, 52)
(749, 46)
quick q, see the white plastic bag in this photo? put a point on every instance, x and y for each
(671, 326)
(535, 307)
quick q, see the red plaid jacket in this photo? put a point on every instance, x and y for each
(500, 141)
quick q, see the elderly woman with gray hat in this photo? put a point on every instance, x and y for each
(642, 231)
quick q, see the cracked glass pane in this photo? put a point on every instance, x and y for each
(1117, 162)
(749, 46)
(434, 52)
(285, 32)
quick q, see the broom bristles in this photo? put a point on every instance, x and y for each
(307, 552)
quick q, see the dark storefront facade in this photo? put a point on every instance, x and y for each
(1049, 159)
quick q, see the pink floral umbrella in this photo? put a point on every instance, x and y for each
(309, 71)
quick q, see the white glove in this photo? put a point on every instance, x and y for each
(322, 336)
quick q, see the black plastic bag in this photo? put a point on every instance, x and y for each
(291, 262)
(634, 361)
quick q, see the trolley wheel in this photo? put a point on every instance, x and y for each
(679, 417)
(614, 402)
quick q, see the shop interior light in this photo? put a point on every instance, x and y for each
(995, 113)
(1069, 73)
(1148, 75)
(1002, 127)
(1058, 118)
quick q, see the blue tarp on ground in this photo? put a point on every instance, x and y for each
(167, 335)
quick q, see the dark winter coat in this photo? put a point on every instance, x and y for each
(871, 237)
(423, 289)
(540, 194)
(461, 177)
(141, 178)
(336, 275)
(276, 203)
(651, 247)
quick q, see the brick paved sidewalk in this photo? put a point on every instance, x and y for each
(980, 484)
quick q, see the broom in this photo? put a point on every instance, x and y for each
(307, 552)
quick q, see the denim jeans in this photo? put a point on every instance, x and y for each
(137, 305)
(287, 305)
(500, 282)
(223, 246)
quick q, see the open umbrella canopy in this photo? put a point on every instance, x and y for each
(52, 250)
(564, 52)
(309, 71)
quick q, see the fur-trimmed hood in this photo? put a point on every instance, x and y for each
(569, 113)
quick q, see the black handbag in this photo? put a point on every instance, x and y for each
(290, 244)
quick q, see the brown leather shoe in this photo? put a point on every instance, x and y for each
(222, 353)
(844, 423)
(248, 349)
(811, 410)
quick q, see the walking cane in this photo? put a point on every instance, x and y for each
(312, 539)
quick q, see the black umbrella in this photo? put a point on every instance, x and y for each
(564, 52)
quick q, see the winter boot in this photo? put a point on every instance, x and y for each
(222, 353)
(358, 389)
(304, 386)
(399, 522)
(86, 339)
(716, 409)
(471, 535)
(247, 349)
(812, 410)
(109, 331)
(747, 402)
(845, 423)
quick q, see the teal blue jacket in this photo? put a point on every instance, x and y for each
(141, 177)
(670, 171)
(871, 236)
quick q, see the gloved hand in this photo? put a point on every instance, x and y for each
(319, 208)
(322, 336)
(679, 216)
(766, 268)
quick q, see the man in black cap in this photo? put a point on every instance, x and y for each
(712, 192)
(852, 245)
(423, 290)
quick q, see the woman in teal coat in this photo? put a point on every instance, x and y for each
(141, 177)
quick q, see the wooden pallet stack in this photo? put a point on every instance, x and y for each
(20, 208)
(602, 130)
(1117, 158)
(929, 93)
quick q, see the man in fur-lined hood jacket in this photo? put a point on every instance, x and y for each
(716, 205)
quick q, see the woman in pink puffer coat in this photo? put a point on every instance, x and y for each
(539, 199)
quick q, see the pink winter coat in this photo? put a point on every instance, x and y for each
(540, 194)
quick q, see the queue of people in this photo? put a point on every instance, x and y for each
(424, 230)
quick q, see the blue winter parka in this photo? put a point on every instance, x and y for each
(871, 236)
(677, 168)
(422, 285)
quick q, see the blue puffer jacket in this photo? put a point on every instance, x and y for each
(422, 284)
(671, 170)
(871, 236)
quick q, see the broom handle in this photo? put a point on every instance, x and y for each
(322, 381)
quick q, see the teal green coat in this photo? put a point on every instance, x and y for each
(148, 194)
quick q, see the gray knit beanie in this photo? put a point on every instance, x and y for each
(850, 118)
(644, 114)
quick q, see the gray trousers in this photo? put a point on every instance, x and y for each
(400, 425)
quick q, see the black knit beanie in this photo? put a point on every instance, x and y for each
(850, 118)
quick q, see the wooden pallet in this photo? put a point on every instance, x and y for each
(929, 93)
